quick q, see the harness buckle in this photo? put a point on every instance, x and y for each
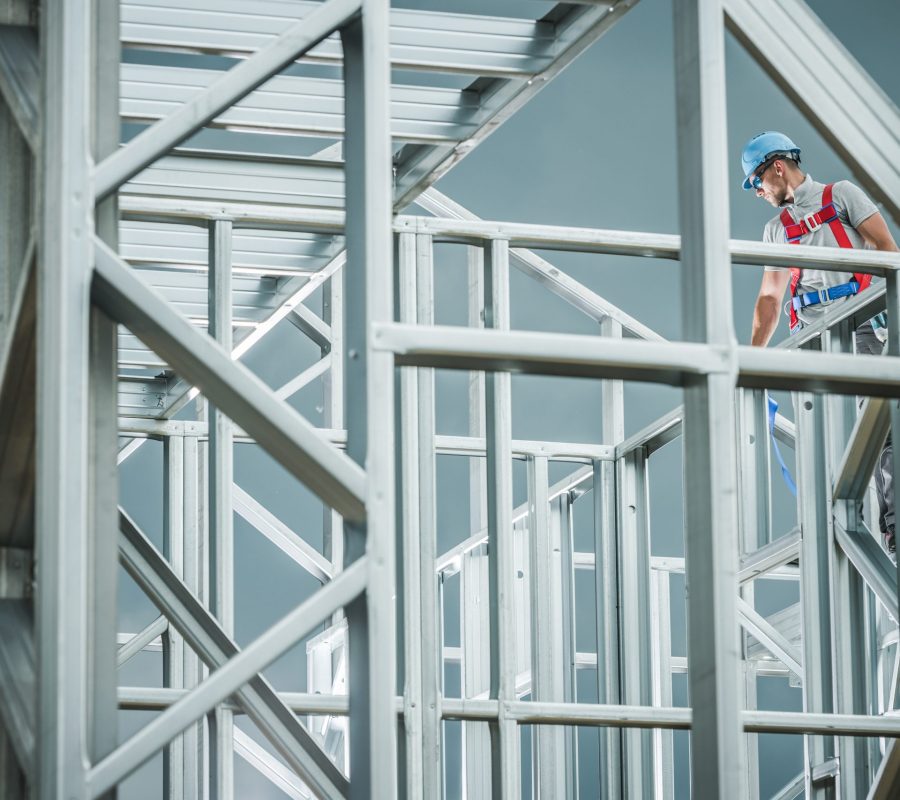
(811, 222)
(824, 298)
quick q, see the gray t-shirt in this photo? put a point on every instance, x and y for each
(852, 206)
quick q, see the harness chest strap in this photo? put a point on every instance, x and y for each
(794, 231)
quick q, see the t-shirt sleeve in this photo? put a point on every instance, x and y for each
(769, 236)
(854, 202)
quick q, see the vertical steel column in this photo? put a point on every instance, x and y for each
(754, 463)
(754, 468)
(850, 665)
(606, 575)
(636, 682)
(64, 537)
(717, 741)
(422, 646)
(477, 466)
(498, 417)
(663, 740)
(893, 350)
(409, 560)
(432, 646)
(814, 507)
(333, 405)
(195, 739)
(547, 666)
(174, 650)
(476, 666)
(848, 603)
(563, 533)
(474, 589)
(221, 514)
(370, 399)
(103, 514)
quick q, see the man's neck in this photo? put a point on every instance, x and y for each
(794, 182)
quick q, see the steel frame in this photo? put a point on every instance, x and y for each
(383, 661)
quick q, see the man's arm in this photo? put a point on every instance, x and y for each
(875, 231)
(768, 306)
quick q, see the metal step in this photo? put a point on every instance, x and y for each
(229, 180)
(302, 106)
(469, 44)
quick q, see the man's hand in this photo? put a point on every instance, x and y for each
(768, 306)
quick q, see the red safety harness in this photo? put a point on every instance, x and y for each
(794, 231)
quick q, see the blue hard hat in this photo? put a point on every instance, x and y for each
(760, 147)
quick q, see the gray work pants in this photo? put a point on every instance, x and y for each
(867, 343)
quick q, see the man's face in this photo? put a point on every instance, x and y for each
(773, 185)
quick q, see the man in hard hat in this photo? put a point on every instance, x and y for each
(827, 215)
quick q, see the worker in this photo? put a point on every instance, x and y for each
(812, 213)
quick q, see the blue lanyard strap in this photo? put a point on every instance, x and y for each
(785, 472)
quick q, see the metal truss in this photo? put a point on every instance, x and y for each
(135, 277)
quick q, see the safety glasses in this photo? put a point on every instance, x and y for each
(756, 180)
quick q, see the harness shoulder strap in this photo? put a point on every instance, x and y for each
(787, 220)
(840, 234)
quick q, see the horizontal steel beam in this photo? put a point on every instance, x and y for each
(538, 713)
(445, 445)
(572, 452)
(154, 698)
(840, 373)
(238, 82)
(528, 712)
(523, 235)
(673, 363)
(446, 347)
(647, 245)
(281, 431)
